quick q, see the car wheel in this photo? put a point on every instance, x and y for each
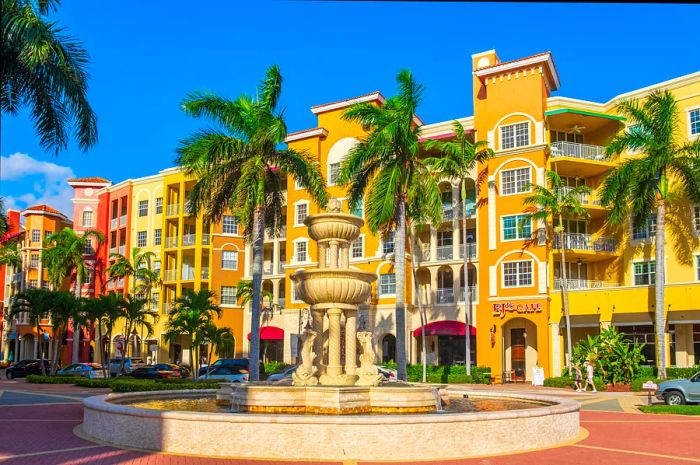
(10, 375)
(674, 398)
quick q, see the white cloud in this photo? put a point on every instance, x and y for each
(47, 184)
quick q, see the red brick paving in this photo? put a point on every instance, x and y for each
(615, 439)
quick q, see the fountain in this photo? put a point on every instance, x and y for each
(333, 411)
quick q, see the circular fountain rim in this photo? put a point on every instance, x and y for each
(323, 217)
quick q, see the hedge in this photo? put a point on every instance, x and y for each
(448, 374)
(566, 382)
(274, 367)
(40, 379)
(94, 383)
(153, 385)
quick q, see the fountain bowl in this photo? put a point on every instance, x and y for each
(375, 437)
(333, 287)
(339, 226)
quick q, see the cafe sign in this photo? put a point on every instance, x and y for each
(500, 310)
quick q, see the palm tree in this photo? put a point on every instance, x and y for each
(37, 304)
(135, 315)
(4, 222)
(63, 311)
(63, 254)
(240, 168)
(639, 185)
(460, 157)
(382, 167)
(112, 307)
(100, 312)
(45, 69)
(220, 340)
(192, 313)
(137, 269)
(556, 204)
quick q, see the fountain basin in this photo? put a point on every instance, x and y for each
(331, 437)
(339, 226)
(333, 287)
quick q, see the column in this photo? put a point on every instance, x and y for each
(557, 362)
(345, 255)
(248, 259)
(432, 298)
(322, 248)
(275, 293)
(275, 257)
(455, 222)
(334, 246)
(317, 323)
(455, 282)
(350, 341)
(433, 244)
(334, 367)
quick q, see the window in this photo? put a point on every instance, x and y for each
(357, 249)
(159, 205)
(34, 261)
(387, 284)
(90, 277)
(88, 248)
(141, 239)
(46, 286)
(229, 224)
(515, 135)
(228, 295)
(33, 283)
(156, 267)
(301, 211)
(359, 210)
(645, 273)
(516, 227)
(36, 235)
(87, 218)
(47, 234)
(155, 301)
(333, 173)
(694, 122)
(301, 251)
(517, 274)
(388, 243)
(157, 236)
(516, 181)
(229, 260)
(697, 272)
(696, 219)
(644, 230)
(143, 207)
(561, 136)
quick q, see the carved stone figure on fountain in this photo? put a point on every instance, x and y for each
(368, 373)
(304, 375)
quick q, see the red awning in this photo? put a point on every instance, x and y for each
(270, 333)
(445, 328)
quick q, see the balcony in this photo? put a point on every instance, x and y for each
(447, 212)
(425, 252)
(170, 242)
(267, 268)
(574, 150)
(205, 272)
(444, 296)
(122, 250)
(170, 275)
(114, 223)
(280, 267)
(188, 274)
(578, 284)
(23, 318)
(282, 234)
(188, 240)
(120, 282)
(445, 252)
(173, 210)
(167, 308)
(122, 220)
(471, 250)
(473, 294)
(584, 199)
(206, 239)
(585, 242)
(280, 303)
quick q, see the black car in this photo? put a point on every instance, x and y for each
(179, 370)
(26, 367)
(153, 372)
(241, 362)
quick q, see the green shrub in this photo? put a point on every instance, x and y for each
(637, 383)
(94, 383)
(671, 409)
(274, 367)
(567, 382)
(681, 373)
(449, 374)
(40, 379)
(615, 359)
(152, 385)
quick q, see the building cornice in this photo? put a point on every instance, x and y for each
(306, 134)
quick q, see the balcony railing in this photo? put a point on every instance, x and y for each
(585, 199)
(445, 252)
(445, 296)
(471, 250)
(122, 220)
(267, 268)
(172, 210)
(188, 274)
(114, 223)
(447, 212)
(23, 318)
(280, 267)
(170, 242)
(205, 272)
(578, 284)
(571, 149)
(120, 282)
(122, 249)
(206, 239)
(169, 275)
(586, 242)
(167, 308)
(425, 252)
(188, 240)
(472, 294)
(282, 234)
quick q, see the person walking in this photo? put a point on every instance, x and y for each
(589, 377)
(579, 378)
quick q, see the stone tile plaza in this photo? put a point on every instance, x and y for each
(478, 263)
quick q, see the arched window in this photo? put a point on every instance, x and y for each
(388, 348)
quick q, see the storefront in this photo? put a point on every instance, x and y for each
(271, 344)
(445, 342)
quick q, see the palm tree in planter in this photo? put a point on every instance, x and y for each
(555, 204)
(220, 341)
(44, 68)
(136, 315)
(37, 305)
(64, 254)
(639, 185)
(459, 158)
(102, 312)
(64, 307)
(382, 167)
(241, 168)
(193, 312)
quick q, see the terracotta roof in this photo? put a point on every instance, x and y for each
(45, 208)
(93, 179)
(513, 61)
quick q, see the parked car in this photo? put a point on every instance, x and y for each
(153, 372)
(389, 374)
(130, 364)
(284, 374)
(241, 362)
(680, 391)
(86, 370)
(26, 367)
(180, 371)
(231, 373)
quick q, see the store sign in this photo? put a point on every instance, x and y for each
(500, 310)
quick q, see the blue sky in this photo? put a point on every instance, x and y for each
(145, 56)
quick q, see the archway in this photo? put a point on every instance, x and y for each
(27, 347)
(388, 348)
(519, 348)
(445, 293)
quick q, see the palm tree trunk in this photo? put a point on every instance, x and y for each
(565, 295)
(467, 293)
(400, 270)
(41, 352)
(125, 344)
(102, 347)
(416, 290)
(660, 281)
(258, 236)
(194, 369)
(76, 326)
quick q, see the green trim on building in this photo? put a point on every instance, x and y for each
(584, 113)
